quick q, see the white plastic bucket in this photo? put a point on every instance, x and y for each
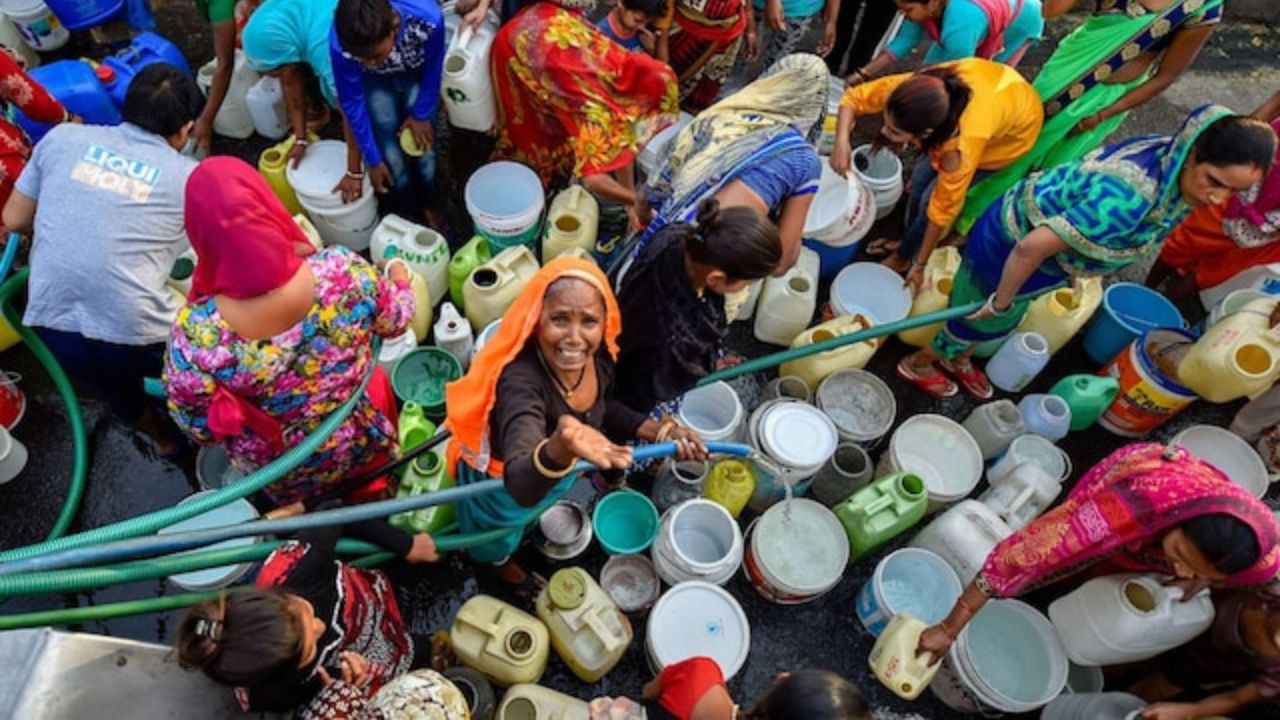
(265, 100)
(940, 451)
(882, 174)
(13, 456)
(912, 580)
(714, 411)
(842, 210)
(697, 540)
(860, 404)
(796, 552)
(505, 200)
(1008, 659)
(1031, 448)
(963, 536)
(37, 24)
(314, 179)
(1227, 452)
(872, 290)
(233, 513)
(697, 618)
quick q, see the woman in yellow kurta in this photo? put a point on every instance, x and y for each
(972, 117)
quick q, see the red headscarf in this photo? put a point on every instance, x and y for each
(246, 243)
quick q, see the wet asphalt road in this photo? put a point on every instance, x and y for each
(126, 481)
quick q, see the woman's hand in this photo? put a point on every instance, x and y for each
(753, 44)
(398, 271)
(1171, 711)
(915, 277)
(1191, 586)
(351, 187)
(202, 133)
(828, 38)
(355, 669)
(1088, 124)
(689, 444)
(639, 213)
(936, 641)
(423, 132)
(423, 550)
(296, 151)
(585, 442)
(774, 16)
(473, 12)
(841, 156)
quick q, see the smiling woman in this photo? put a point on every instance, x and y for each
(537, 399)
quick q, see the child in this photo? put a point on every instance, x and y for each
(784, 24)
(626, 25)
(694, 689)
(1243, 642)
(309, 616)
(388, 57)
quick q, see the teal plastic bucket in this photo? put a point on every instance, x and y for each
(421, 375)
(1128, 310)
(625, 522)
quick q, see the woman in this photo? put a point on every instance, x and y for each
(408, 696)
(537, 399)
(274, 337)
(673, 299)
(1090, 217)
(307, 612)
(694, 689)
(574, 104)
(227, 18)
(970, 117)
(704, 41)
(1123, 56)
(289, 39)
(750, 150)
(1217, 242)
(1145, 507)
(999, 30)
(17, 89)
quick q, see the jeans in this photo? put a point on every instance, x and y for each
(115, 372)
(389, 99)
(923, 180)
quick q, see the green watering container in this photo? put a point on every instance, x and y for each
(468, 257)
(876, 514)
(1088, 396)
(424, 474)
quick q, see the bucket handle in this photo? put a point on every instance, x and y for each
(1066, 459)
(606, 637)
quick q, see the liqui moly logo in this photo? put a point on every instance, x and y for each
(106, 170)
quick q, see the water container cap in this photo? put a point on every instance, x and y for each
(568, 588)
(105, 74)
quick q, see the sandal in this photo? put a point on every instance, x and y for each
(882, 247)
(937, 385)
(974, 381)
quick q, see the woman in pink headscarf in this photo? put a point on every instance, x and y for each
(276, 336)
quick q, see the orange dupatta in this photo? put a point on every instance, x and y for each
(470, 399)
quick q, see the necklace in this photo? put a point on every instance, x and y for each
(565, 390)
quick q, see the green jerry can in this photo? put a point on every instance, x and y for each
(469, 257)
(424, 474)
(1088, 397)
(880, 511)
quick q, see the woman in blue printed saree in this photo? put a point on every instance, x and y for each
(1089, 217)
(1125, 54)
(537, 399)
(752, 150)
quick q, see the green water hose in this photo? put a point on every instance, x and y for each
(79, 439)
(245, 486)
(871, 333)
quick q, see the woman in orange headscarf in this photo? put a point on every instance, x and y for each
(537, 400)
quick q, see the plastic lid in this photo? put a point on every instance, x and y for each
(105, 74)
(798, 435)
(567, 588)
(697, 618)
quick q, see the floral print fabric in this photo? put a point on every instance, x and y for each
(298, 377)
(572, 102)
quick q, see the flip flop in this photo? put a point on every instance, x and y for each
(938, 385)
(974, 381)
(882, 247)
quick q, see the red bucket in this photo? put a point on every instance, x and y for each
(13, 403)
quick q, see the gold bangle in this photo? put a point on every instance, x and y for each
(542, 469)
(665, 430)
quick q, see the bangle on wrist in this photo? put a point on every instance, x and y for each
(665, 431)
(542, 469)
(916, 262)
(991, 306)
(356, 175)
(862, 74)
(301, 141)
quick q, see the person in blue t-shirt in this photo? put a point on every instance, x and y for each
(388, 57)
(626, 24)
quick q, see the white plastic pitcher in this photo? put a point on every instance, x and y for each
(1018, 361)
(1020, 497)
(36, 23)
(964, 536)
(1032, 448)
(13, 456)
(994, 425)
(882, 173)
(1048, 416)
(396, 348)
(453, 333)
(787, 303)
(233, 119)
(714, 411)
(467, 87)
(313, 180)
(1127, 618)
(265, 100)
(424, 250)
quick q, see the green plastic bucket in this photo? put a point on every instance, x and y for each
(625, 522)
(421, 375)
